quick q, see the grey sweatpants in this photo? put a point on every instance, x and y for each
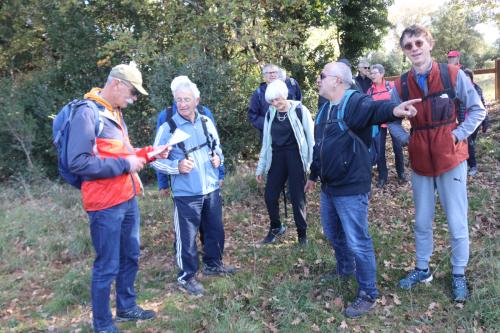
(452, 190)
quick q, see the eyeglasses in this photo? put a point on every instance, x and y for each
(363, 67)
(186, 100)
(134, 92)
(270, 73)
(322, 75)
(409, 46)
(375, 73)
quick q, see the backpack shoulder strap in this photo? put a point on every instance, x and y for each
(387, 85)
(292, 81)
(170, 113)
(446, 80)
(201, 110)
(95, 109)
(405, 94)
(341, 109)
(320, 112)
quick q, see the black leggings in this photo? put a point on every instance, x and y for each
(286, 164)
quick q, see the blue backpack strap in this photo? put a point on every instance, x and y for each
(341, 110)
(318, 116)
(405, 93)
(387, 85)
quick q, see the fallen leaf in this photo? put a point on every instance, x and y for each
(296, 321)
(343, 325)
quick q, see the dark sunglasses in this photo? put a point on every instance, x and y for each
(322, 75)
(409, 46)
(133, 91)
(364, 67)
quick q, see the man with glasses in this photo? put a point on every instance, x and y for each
(342, 162)
(437, 147)
(258, 105)
(363, 79)
(193, 166)
(109, 165)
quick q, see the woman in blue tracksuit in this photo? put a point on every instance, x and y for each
(286, 153)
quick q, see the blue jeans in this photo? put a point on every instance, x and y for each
(345, 225)
(115, 237)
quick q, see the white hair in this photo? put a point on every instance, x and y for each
(187, 85)
(343, 72)
(276, 89)
(178, 80)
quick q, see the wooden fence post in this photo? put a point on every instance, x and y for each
(497, 79)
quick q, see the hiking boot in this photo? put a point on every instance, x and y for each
(381, 183)
(191, 286)
(459, 288)
(136, 313)
(273, 233)
(334, 276)
(361, 305)
(303, 240)
(473, 171)
(414, 277)
(110, 329)
(218, 270)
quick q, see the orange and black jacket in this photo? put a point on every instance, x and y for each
(100, 158)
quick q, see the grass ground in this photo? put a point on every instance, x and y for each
(46, 255)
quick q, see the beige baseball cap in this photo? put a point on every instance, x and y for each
(129, 73)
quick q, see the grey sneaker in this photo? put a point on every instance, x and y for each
(361, 305)
(191, 286)
(459, 288)
(414, 277)
(137, 313)
(110, 329)
(273, 233)
(473, 171)
(218, 270)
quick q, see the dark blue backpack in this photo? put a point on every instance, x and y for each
(60, 133)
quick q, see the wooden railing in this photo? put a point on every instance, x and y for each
(495, 70)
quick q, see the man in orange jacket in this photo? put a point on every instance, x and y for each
(109, 165)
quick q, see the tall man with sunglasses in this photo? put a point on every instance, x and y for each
(342, 162)
(363, 79)
(437, 147)
(109, 164)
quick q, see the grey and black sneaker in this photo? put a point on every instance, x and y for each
(136, 313)
(191, 286)
(273, 234)
(110, 329)
(303, 240)
(218, 270)
(415, 277)
(459, 288)
(361, 305)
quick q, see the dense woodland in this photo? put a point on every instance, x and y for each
(53, 51)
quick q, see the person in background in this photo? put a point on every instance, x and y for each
(471, 140)
(258, 105)
(286, 153)
(454, 58)
(437, 149)
(379, 91)
(363, 79)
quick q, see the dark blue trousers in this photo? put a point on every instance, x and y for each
(191, 213)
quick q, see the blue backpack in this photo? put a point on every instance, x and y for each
(60, 133)
(373, 149)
